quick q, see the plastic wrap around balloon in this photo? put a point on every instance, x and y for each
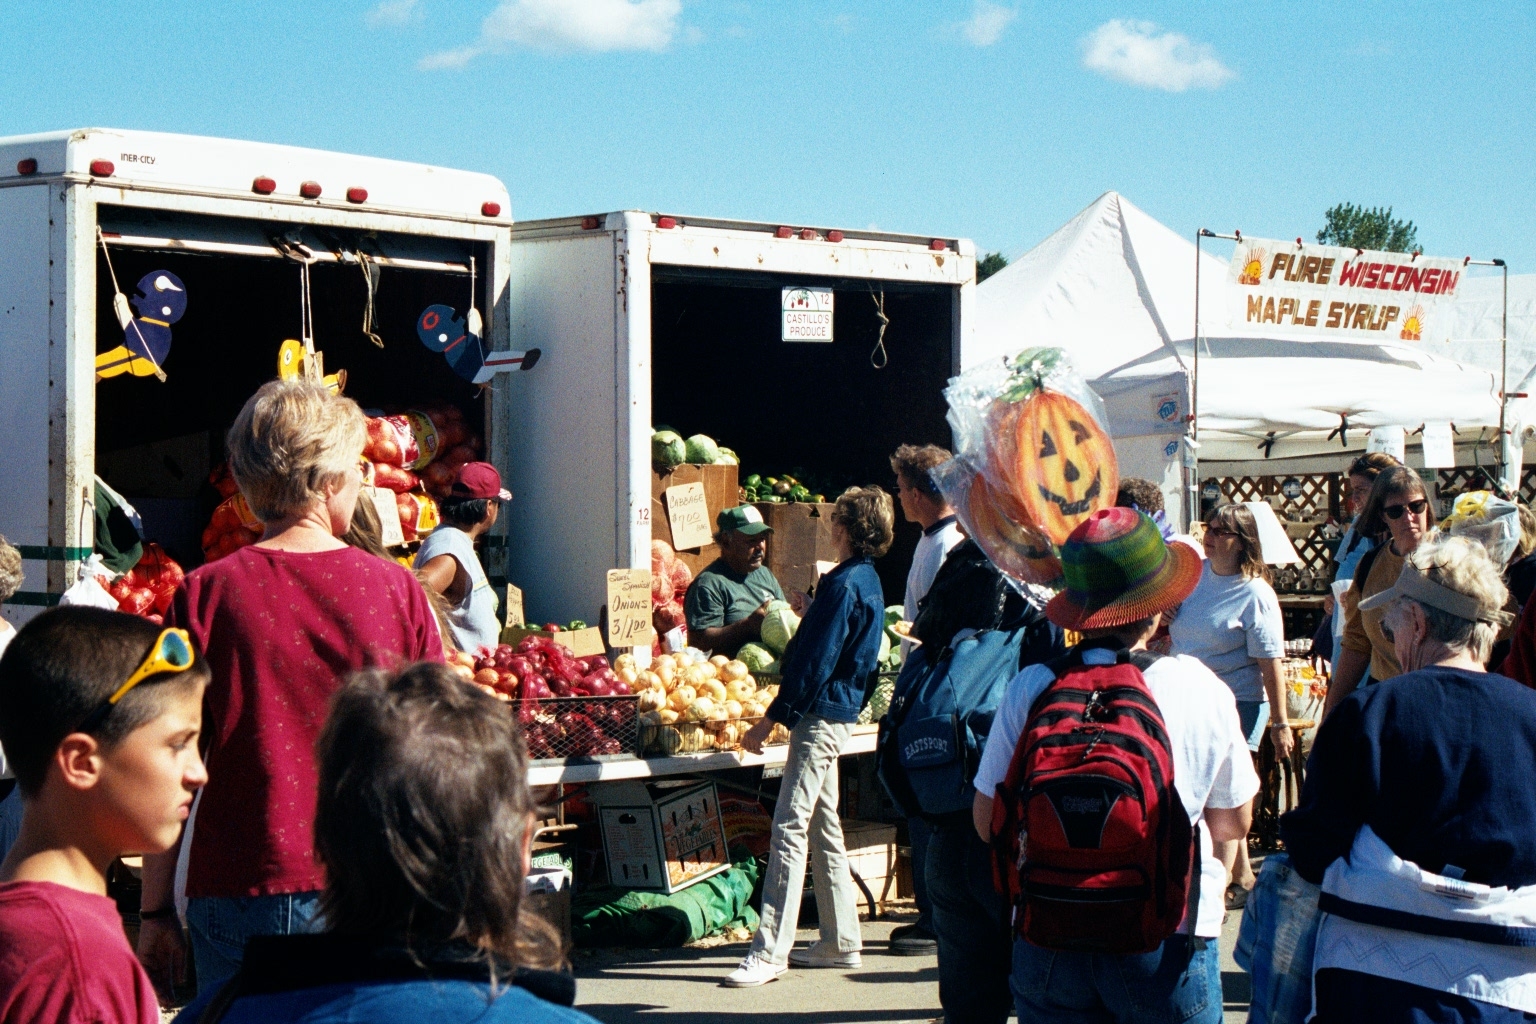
(992, 520)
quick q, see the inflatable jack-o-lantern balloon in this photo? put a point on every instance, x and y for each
(997, 525)
(1063, 463)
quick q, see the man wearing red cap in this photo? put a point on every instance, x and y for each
(447, 560)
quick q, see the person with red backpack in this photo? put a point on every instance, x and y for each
(1108, 775)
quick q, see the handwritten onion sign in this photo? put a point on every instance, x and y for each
(629, 608)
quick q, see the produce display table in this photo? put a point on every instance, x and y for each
(552, 773)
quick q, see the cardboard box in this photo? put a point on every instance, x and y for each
(872, 858)
(660, 836)
(802, 536)
(583, 642)
(721, 491)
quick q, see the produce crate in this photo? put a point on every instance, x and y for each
(606, 729)
(681, 737)
(802, 536)
(721, 491)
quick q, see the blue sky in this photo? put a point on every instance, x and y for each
(993, 120)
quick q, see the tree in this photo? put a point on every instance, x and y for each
(990, 264)
(1356, 227)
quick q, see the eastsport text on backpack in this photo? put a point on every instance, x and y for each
(1091, 841)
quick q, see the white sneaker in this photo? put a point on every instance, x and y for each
(818, 954)
(754, 971)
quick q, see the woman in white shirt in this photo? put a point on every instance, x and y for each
(1232, 623)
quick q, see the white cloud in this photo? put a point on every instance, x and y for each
(394, 13)
(593, 26)
(986, 24)
(1137, 53)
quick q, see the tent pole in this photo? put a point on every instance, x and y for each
(1504, 439)
(1194, 401)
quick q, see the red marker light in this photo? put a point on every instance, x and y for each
(310, 190)
(666, 223)
(589, 223)
(490, 209)
(27, 166)
(784, 233)
(834, 235)
(357, 195)
(807, 235)
(937, 245)
(102, 168)
(264, 186)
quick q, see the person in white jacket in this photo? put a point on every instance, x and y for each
(921, 503)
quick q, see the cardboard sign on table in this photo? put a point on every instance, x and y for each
(390, 531)
(629, 608)
(514, 606)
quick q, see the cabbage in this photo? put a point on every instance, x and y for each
(701, 450)
(667, 448)
(755, 657)
(779, 626)
(726, 457)
(885, 649)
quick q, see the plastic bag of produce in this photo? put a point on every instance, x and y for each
(231, 527)
(90, 587)
(611, 916)
(409, 440)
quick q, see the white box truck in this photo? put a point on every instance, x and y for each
(713, 327)
(263, 239)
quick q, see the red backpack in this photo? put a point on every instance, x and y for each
(1091, 842)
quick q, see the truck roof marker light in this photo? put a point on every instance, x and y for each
(357, 195)
(666, 223)
(937, 245)
(264, 186)
(784, 232)
(807, 234)
(26, 166)
(834, 235)
(589, 223)
(102, 168)
(490, 209)
(310, 190)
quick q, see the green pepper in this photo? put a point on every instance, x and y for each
(753, 480)
(576, 624)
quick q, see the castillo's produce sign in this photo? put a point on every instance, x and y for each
(1334, 292)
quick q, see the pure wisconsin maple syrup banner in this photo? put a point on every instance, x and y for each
(1326, 291)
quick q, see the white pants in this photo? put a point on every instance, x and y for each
(805, 818)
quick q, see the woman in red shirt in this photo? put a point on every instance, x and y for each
(282, 623)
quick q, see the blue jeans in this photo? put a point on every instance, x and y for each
(920, 832)
(1253, 715)
(972, 923)
(1176, 983)
(220, 925)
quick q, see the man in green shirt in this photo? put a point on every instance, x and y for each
(727, 601)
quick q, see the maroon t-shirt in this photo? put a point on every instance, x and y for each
(281, 631)
(65, 960)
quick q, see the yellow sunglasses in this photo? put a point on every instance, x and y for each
(172, 653)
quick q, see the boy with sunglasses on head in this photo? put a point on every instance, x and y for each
(99, 716)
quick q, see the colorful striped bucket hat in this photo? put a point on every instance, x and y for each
(1118, 569)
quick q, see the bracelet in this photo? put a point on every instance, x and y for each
(156, 915)
(1280, 725)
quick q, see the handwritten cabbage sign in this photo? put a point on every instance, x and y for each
(1327, 291)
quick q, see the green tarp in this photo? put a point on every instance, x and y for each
(611, 916)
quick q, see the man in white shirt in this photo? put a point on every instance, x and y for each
(921, 503)
(1120, 577)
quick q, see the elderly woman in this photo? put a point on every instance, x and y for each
(826, 670)
(1399, 512)
(281, 622)
(1418, 816)
(1232, 623)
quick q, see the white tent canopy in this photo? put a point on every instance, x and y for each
(1116, 289)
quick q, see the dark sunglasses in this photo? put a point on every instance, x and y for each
(1220, 531)
(1416, 506)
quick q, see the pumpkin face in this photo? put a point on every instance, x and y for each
(996, 522)
(1064, 466)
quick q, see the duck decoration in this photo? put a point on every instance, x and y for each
(160, 300)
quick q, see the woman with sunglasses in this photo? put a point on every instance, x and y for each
(1232, 623)
(1400, 514)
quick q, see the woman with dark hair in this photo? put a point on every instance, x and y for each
(1232, 623)
(423, 828)
(1398, 514)
(447, 560)
(1353, 544)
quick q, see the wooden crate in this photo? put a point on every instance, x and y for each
(721, 491)
(802, 536)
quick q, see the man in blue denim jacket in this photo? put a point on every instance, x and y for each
(826, 670)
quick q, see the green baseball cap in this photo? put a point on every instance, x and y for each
(744, 519)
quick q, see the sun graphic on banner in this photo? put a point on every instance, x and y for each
(1413, 325)
(1253, 266)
